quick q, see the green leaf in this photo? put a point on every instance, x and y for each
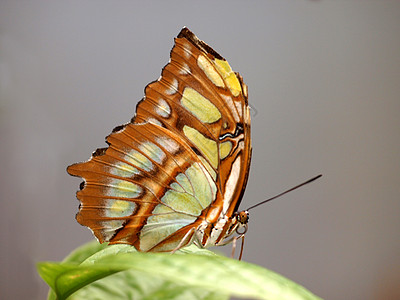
(83, 252)
(118, 271)
(77, 256)
(133, 284)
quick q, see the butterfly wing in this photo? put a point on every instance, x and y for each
(182, 160)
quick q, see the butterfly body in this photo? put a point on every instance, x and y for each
(176, 173)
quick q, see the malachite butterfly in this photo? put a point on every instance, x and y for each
(176, 173)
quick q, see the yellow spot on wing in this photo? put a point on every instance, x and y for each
(208, 168)
(138, 159)
(122, 188)
(224, 149)
(206, 146)
(179, 209)
(210, 71)
(123, 170)
(229, 76)
(182, 202)
(200, 106)
(184, 183)
(204, 187)
(119, 208)
(161, 224)
(177, 187)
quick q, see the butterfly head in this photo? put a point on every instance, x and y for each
(242, 218)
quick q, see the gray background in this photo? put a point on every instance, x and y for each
(323, 78)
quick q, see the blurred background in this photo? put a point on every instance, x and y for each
(324, 82)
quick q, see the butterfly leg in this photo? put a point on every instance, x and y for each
(234, 246)
(188, 237)
(233, 240)
(229, 240)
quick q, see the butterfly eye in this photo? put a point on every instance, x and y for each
(243, 217)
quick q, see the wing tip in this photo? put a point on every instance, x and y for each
(187, 34)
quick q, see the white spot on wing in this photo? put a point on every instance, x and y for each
(239, 107)
(231, 184)
(173, 88)
(187, 50)
(228, 100)
(109, 228)
(163, 108)
(153, 151)
(154, 121)
(168, 144)
(185, 69)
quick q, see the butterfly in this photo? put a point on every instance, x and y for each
(176, 173)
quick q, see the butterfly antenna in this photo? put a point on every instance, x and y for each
(285, 192)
